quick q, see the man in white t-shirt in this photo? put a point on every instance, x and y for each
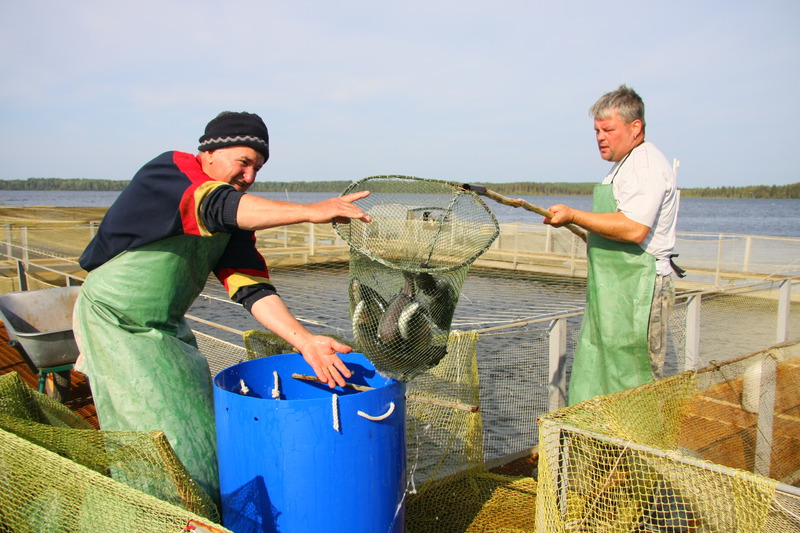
(631, 228)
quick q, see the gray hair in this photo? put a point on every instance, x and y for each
(628, 105)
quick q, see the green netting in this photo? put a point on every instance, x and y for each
(407, 267)
(59, 474)
(674, 455)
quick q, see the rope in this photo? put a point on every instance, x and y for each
(276, 391)
(335, 409)
(384, 416)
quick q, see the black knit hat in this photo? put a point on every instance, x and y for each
(236, 129)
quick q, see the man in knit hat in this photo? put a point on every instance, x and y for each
(181, 218)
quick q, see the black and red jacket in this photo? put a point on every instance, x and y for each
(169, 196)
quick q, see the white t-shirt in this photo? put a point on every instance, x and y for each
(646, 192)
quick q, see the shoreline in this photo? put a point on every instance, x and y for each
(45, 213)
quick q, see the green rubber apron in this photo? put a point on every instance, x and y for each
(141, 357)
(612, 352)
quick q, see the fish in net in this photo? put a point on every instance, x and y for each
(407, 267)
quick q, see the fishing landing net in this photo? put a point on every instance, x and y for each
(407, 267)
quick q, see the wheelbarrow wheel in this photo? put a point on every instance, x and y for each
(57, 385)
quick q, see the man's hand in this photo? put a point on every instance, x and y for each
(320, 352)
(562, 214)
(340, 209)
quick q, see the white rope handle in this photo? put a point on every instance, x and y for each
(276, 389)
(335, 409)
(384, 416)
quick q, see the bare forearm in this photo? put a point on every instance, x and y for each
(615, 226)
(318, 350)
(255, 212)
(272, 313)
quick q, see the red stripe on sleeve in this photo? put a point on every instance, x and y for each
(189, 165)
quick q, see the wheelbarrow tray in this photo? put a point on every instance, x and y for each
(40, 322)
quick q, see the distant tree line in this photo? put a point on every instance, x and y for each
(300, 186)
(521, 188)
(791, 191)
(81, 184)
(58, 184)
(529, 188)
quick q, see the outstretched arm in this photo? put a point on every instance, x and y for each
(256, 213)
(318, 350)
(615, 226)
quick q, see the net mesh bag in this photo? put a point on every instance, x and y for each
(450, 488)
(57, 473)
(407, 267)
(690, 452)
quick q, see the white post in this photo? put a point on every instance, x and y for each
(516, 245)
(312, 239)
(573, 255)
(719, 261)
(8, 241)
(25, 245)
(548, 243)
(748, 244)
(557, 368)
(784, 305)
(766, 408)
(691, 357)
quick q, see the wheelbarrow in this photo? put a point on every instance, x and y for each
(39, 326)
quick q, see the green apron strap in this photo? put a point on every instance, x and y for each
(612, 351)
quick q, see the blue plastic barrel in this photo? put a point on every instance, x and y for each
(314, 458)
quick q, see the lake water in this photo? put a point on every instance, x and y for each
(779, 218)
(318, 298)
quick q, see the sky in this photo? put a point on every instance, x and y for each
(465, 91)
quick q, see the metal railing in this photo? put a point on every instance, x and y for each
(734, 317)
(713, 259)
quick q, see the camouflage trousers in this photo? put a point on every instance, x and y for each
(660, 310)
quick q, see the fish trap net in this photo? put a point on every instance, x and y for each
(407, 267)
(57, 473)
(712, 450)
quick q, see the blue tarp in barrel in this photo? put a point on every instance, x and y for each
(296, 455)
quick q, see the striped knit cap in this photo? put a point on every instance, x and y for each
(236, 129)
